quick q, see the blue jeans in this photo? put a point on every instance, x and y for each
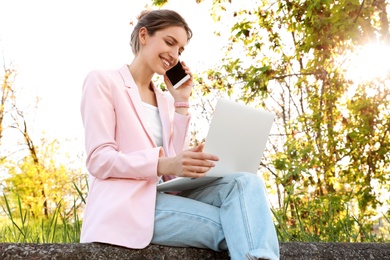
(231, 213)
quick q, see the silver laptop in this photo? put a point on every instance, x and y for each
(237, 135)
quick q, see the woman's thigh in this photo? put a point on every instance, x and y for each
(214, 193)
(185, 222)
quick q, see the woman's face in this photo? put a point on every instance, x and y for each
(161, 51)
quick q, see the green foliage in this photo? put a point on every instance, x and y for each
(328, 156)
(39, 201)
(327, 160)
(41, 185)
(22, 227)
(322, 219)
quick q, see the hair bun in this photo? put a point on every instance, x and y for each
(143, 13)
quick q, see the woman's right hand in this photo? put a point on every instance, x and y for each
(191, 163)
(182, 93)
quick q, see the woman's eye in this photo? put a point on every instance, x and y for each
(168, 43)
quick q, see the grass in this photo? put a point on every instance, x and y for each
(326, 220)
(56, 228)
(20, 227)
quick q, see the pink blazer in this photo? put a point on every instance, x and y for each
(122, 157)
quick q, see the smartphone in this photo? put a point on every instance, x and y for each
(177, 76)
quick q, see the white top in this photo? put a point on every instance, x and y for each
(154, 123)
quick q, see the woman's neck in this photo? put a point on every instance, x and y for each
(140, 74)
(143, 79)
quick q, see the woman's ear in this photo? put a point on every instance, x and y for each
(143, 33)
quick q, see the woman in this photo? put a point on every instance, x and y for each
(137, 135)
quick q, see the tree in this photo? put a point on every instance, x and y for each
(7, 96)
(38, 175)
(43, 182)
(334, 145)
(328, 155)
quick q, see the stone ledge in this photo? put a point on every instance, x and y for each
(302, 251)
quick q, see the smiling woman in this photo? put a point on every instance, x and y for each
(137, 135)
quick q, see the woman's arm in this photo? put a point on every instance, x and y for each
(104, 156)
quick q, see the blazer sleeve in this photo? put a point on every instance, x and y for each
(104, 158)
(181, 130)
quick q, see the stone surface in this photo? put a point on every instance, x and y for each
(303, 251)
(335, 251)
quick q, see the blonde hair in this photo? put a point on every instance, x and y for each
(154, 20)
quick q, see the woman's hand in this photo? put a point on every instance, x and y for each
(182, 93)
(191, 163)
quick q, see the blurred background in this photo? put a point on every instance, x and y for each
(321, 66)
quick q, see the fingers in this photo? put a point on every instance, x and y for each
(168, 83)
(195, 171)
(197, 154)
(183, 92)
(198, 165)
(191, 163)
(186, 69)
(197, 148)
(195, 163)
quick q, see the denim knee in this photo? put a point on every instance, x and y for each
(247, 179)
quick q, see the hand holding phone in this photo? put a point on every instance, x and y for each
(177, 75)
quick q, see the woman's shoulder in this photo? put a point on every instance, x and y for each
(106, 77)
(104, 73)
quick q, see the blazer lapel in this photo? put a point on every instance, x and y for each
(135, 97)
(166, 116)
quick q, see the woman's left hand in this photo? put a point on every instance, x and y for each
(182, 93)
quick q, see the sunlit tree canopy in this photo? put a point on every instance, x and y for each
(312, 64)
